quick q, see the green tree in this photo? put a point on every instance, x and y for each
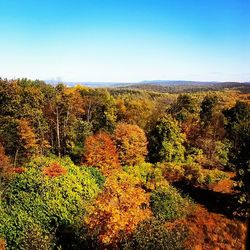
(168, 204)
(166, 141)
(208, 108)
(211, 133)
(238, 131)
(183, 108)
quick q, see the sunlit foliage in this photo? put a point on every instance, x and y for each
(54, 170)
(115, 213)
(168, 204)
(131, 143)
(100, 152)
(35, 200)
(166, 141)
(130, 149)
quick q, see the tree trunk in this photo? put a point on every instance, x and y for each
(42, 137)
(89, 112)
(58, 132)
(15, 158)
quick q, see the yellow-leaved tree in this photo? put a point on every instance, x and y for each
(131, 143)
(118, 209)
(27, 144)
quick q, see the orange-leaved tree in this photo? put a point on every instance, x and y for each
(100, 152)
(118, 209)
(131, 143)
(27, 140)
(4, 165)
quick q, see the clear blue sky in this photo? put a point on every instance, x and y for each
(125, 40)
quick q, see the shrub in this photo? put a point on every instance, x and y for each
(36, 239)
(17, 170)
(153, 234)
(172, 171)
(193, 173)
(213, 176)
(168, 204)
(35, 200)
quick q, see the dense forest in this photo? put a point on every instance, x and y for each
(123, 168)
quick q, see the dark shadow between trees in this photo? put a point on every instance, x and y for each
(216, 202)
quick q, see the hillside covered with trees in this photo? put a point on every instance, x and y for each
(123, 168)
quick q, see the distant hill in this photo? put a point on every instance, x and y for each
(177, 82)
(186, 86)
(165, 86)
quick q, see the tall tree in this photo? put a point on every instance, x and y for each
(131, 143)
(27, 141)
(166, 141)
(208, 107)
(238, 131)
(211, 133)
(100, 152)
(135, 110)
(183, 108)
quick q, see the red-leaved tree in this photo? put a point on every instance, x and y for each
(54, 170)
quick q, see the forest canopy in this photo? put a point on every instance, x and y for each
(98, 168)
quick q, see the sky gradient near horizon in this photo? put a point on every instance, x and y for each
(125, 40)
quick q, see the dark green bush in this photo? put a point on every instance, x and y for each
(153, 234)
(97, 176)
(36, 239)
(167, 203)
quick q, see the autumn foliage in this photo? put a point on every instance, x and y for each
(213, 231)
(17, 170)
(54, 170)
(115, 213)
(100, 152)
(4, 161)
(27, 135)
(121, 168)
(131, 143)
(2, 244)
